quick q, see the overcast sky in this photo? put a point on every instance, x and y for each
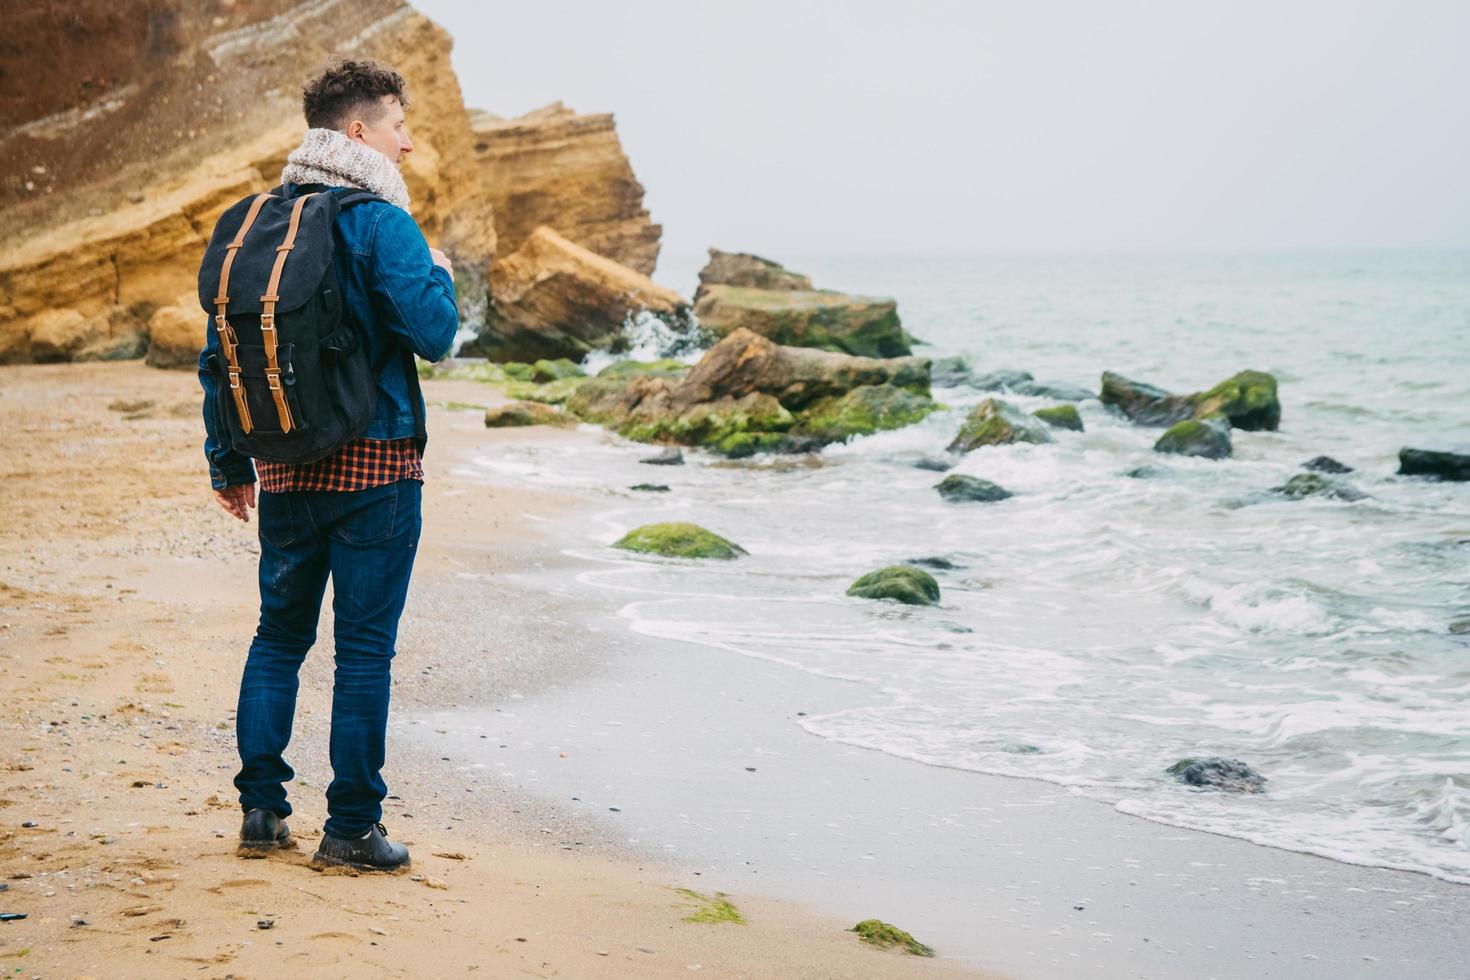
(926, 126)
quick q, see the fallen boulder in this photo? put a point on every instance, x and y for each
(1192, 437)
(1247, 399)
(1316, 485)
(749, 271)
(176, 336)
(1429, 462)
(679, 540)
(552, 298)
(515, 414)
(958, 488)
(994, 423)
(862, 325)
(1326, 464)
(1229, 775)
(1060, 417)
(904, 583)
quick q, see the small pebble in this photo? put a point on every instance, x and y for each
(30, 823)
(265, 923)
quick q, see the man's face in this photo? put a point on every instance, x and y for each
(388, 134)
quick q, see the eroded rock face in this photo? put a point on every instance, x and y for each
(749, 271)
(176, 335)
(863, 325)
(158, 119)
(553, 298)
(750, 395)
(555, 167)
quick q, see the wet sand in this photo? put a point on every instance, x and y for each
(126, 602)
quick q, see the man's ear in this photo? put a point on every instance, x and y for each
(354, 130)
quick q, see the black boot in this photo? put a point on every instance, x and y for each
(262, 832)
(371, 852)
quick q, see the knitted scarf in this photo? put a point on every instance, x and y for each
(327, 156)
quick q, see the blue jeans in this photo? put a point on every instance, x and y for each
(366, 541)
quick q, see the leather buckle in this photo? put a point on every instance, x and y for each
(234, 379)
(220, 323)
(267, 321)
(273, 378)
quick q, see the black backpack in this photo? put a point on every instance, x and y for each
(295, 382)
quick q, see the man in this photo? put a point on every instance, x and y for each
(355, 515)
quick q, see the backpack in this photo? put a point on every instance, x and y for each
(298, 377)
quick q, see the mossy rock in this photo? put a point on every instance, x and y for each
(721, 426)
(544, 370)
(995, 423)
(1192, 437)
(518, 371)
(867, 326)
(1317, 485)
(958, 488)
(1248, 399)
(557, 392)
(876, 932)
(905, 583)
(1060, 417)
(713, 909)
(513, 414)
(665, 367)
(862, 411)
(485, 372)
(679, 539)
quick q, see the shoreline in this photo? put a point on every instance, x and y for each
(128, 600)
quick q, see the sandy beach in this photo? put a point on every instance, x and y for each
(126, 604)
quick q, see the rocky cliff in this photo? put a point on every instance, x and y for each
(567, 171)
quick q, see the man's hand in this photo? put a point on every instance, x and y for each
(237, 500)
(442, 261)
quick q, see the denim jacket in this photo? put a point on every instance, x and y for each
(394, 294)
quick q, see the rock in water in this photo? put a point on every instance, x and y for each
(904, 583)
(1059, 390)
(650, 487)
(995, 423)
(862, 411)
(1316, 485)
(1326, 464)
(948, 372)
(876, 932)
(513, 414)
(672, 456)
(1228, 775)
(750, 271)
(1247, 399)
(552, 298)
(1004, 379)
(679, 540)
(1060, 417)
(865, 326)
(958, 488)
(1192, 437)
(1440, 465)
(937, 464)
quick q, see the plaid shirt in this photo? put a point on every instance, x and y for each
(358, 465)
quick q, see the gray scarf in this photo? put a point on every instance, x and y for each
(327, 156)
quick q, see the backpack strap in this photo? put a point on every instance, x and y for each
(227, 339)
(268, 315)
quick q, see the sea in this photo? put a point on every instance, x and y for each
(1124, 609)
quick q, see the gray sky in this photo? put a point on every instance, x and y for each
(925, 126)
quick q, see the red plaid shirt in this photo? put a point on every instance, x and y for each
(358, 465)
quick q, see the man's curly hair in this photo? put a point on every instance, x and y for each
(347, 90)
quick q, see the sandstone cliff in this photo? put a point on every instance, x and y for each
(555, 167)
(120, 151)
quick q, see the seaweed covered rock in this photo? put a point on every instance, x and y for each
(679, 540)
(1192, 437)
(1248, 400)
(959, 488)
(551, 393)
(514, 414)
(996, 423)
(904, 583)
(1228, 775)
(1317, 485)
(554, 370)
(866, 326)
(749, 395)
(1429, 462)
(876, 932)
(1326, 464)
(750, 271)
(665, 367)
(1060, 417)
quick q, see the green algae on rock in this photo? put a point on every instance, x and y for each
(1061, 417)
(1248, 400)
(712, 909)
(995, 423)
(1209, 438)
(679, 539)
(1317, 485)
(663, 367)
(861, 412)
(513, 414)
(905, 583)
(554, 370)
(876, 932)
(959, 488)
(866, 326)
(551, 393)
